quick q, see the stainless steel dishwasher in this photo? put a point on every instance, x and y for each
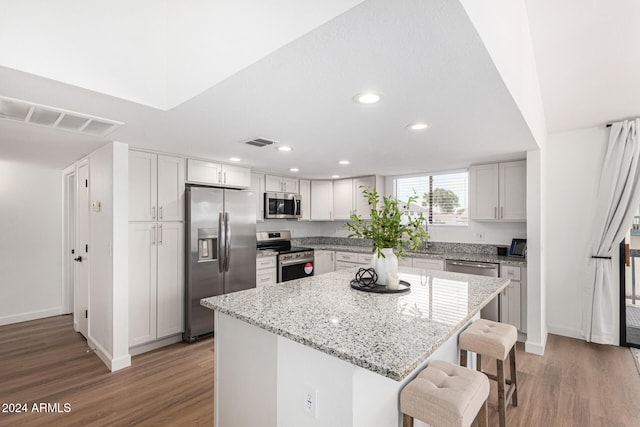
(492, 310)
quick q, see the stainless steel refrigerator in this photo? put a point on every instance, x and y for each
(221, 251)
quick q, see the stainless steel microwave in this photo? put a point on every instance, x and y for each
(282, 205)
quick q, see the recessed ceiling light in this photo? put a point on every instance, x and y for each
(344, 162)
(284, 148)
(335, 176)
(366, 98)
(417, 126)
(294, 170)
(234, 159)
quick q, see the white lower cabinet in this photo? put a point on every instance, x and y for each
(156, 281)
(514, 305)
(324, 261)
(266, 271)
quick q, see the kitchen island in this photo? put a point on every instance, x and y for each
(315, 352)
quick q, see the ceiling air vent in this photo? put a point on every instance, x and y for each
(55, 118)
(260, 142)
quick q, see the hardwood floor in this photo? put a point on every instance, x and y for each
(44, 361)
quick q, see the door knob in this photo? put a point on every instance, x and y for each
(79, 258)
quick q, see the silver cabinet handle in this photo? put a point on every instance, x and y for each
(153, 235)
(160, 212)
(160, 234)
(501, 212)
(153, 212)
(225, 177)
(219, 176)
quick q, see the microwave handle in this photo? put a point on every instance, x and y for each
(298, 209)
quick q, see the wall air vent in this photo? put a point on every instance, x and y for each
(55, 118)
(260, 142)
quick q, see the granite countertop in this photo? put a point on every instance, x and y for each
(389, 334)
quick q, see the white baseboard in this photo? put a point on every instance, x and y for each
(32, 315)
(114, 364)
(153, 345)
(565, 332)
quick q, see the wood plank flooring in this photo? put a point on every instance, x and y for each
(45, 361)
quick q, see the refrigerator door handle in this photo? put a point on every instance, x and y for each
(221, 237)
(227, 242)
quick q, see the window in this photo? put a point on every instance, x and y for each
(442, 198)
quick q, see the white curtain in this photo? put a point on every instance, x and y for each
(618, 198)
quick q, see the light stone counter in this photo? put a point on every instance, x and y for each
(389, 334)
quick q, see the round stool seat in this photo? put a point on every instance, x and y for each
(489, 338)
(444, 394)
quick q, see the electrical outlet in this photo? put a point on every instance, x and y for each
(479, 235)
(310, 396)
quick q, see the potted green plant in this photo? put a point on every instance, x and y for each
(388, 232)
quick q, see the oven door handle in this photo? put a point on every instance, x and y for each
(295, 261)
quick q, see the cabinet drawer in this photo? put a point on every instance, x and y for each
(510, 272)
(266, 262)
(343, 265)
(347, 256)
(266, 277)
(428, 264)
(365, 258)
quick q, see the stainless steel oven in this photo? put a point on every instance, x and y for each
(295, 264)
(281, 205)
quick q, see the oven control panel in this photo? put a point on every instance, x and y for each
(296, 256)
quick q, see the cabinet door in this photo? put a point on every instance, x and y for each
(321, 200)
(324, 262)
(511, 305)
(170, 293)
(305, 199)
(142, 186)
(142, 282)
(257, 186)
(273, 183)
(170, 188)
(483, 192)
(236, 176)
(361, 205)
(343, 265)
(342, 198)
(513, 191)
(290, 185)
(266, 277)
(199, 172)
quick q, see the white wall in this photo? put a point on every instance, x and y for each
(31, 241)
(108, 276)
(572, 164)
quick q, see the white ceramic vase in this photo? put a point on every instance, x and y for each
(385, 265)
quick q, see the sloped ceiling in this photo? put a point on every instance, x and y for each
(588, 57)
(424, 57)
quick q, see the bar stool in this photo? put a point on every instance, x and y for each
(496, 340)
(444, 394)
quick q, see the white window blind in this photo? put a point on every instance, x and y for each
(442, 198)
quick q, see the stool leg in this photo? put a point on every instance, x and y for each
(482, 417)
(502, 403)
(514, 375)
(463, 358)
(407, 421)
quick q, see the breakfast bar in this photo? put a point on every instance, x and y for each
(315, 352)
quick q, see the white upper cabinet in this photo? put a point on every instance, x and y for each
(498, 192)
(281, 184)
(156, 187)
(361, 205)
(212, 173)
(321, 200)
(305, 199)
(342, 199)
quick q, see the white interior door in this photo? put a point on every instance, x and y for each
(69, 238)
(81, 282)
